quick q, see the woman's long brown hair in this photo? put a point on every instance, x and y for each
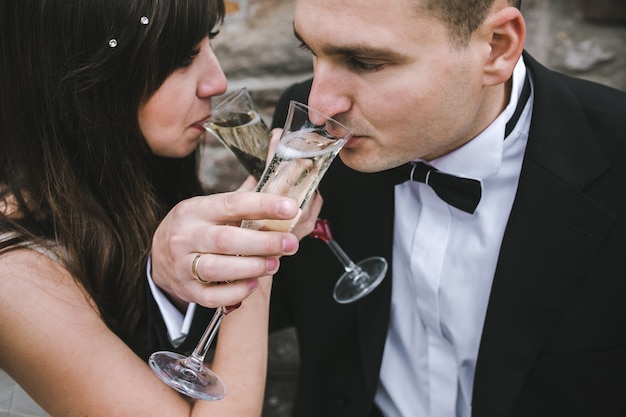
(73, 161)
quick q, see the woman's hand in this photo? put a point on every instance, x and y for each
(209, 226)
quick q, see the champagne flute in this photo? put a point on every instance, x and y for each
(359, 279)
(236, 123)
(303, 155)
(310, 141)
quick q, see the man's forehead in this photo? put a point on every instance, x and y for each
(363, 17)
(353, 47)
(378, 32)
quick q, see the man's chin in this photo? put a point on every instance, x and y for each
(357, 161)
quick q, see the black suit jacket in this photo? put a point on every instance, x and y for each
(554, 337)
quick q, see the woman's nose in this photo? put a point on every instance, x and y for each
(212, 81)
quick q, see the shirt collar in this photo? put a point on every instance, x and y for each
(481, 157)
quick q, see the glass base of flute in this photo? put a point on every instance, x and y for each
(359, 279)
(188, 374)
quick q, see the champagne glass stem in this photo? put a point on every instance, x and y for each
(195, 361)
(348, 264)
(359, 279)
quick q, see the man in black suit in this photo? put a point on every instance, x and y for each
(510, 302)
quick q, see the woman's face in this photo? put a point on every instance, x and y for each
(171, 119)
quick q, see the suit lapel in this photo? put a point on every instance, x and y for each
(553, 233)
(373, 322)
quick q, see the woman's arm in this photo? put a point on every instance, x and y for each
(241, 355)
(55, 345)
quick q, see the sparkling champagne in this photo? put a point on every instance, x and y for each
(299, 163)
(246, 136)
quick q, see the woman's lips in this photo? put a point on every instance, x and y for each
(198, 126)
(200, 123)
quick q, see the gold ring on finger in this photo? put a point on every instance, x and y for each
(194, 268)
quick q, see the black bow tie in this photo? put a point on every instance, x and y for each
(462, 193)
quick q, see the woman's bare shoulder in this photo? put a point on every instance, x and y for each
(38, 295)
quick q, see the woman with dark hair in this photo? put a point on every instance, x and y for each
(101, 106)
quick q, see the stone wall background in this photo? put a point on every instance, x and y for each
(257, 49)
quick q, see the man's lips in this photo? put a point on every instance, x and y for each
(353, 141)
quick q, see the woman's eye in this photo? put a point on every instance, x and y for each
(188, 60)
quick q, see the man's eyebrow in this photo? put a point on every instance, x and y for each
(355, 50)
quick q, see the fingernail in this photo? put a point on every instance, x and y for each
(253, 283)
(286, 207)
(272, 265)
(290, 244)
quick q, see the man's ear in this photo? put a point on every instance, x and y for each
(506, 31)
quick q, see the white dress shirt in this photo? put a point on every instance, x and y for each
(176, 324)
(444, 261)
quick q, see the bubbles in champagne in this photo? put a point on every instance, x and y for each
(304, 144)
(299, 163)
(245, 135)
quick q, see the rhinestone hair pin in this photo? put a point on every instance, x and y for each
(144, 21)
